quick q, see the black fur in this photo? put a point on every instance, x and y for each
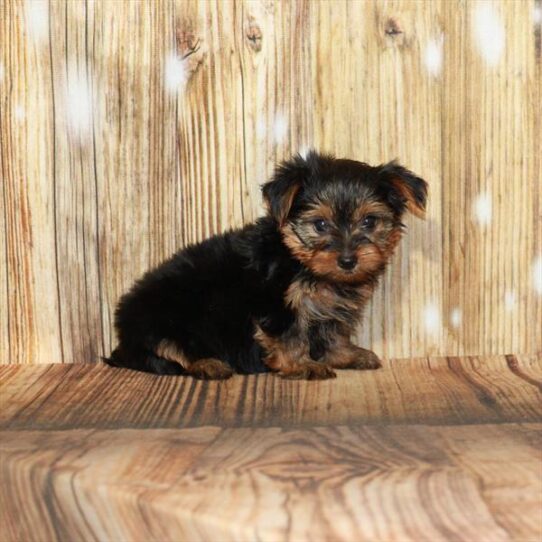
(208, 298)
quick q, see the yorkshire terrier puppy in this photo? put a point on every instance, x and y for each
(283, 294)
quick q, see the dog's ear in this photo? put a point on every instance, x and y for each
(404, 190)
(279, 193)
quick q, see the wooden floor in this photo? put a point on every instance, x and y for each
(425, 449)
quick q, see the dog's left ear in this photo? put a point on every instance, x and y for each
(404, 188)
(280, 191)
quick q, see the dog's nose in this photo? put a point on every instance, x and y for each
(347, 262)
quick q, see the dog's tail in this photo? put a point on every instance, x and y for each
(144, 361)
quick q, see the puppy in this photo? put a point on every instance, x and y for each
(283, 294)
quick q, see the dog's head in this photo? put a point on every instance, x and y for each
(342, 218)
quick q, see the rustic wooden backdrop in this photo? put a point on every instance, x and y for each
(129, 129)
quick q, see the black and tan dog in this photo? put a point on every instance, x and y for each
(283, 294)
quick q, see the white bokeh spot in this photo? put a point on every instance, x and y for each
(456, 316)
(510, 300)
(261, 129)
(37, 19)
(78, 101)
(20, 113)
(431, 318)
(489, 33)
(175, 73)
(280, 128)
(433, 55)
(482, 209)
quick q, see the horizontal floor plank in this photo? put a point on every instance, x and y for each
(423, 449)
(347, 482)
(426, 390)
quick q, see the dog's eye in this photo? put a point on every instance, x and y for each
(320, 225)
(369, 222)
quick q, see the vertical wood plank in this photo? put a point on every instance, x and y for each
(491, 184)
(375, 102)
(129, 129)
(74, 176)
(134, 145)
(210, 120)
(278, 92)
(27, 128)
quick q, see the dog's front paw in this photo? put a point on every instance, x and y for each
(365, 359)
(309, 370)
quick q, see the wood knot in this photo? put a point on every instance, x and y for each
(187, 41)
(254, 37)
(190, 48)
(393, 28)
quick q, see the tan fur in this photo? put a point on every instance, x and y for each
(324, 263)
(393, 240)
(345, 355)
(370, 258)
(309, 370)
(369, 207)
(210, 369)
(318, 302)
(206, 369)
(287, 201)
(282, 355)
(289, 358)
(297, 248)
(320, 210)
(411, 203)
(168, 350)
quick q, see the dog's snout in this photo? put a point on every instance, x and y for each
(347, 261)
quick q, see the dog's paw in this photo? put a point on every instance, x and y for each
(365, 359)
(210, 369)
(309, 370)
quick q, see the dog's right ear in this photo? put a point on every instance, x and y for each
(280, 191)
(405, 189)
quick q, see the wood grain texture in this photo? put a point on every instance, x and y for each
(432, 449)
(426, 390)
(340, 483)
(383, 98)
(130, 129)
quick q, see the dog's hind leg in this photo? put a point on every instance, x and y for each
(210, 369)
(144, 360)
(168, 359)
(206, 368)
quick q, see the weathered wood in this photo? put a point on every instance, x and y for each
(30, 311)
(491, 115)
(429, 449)
(434, 391)
(129, 129)
(476, 482)
(373, 89)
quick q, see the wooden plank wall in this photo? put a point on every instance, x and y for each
(129, 129)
